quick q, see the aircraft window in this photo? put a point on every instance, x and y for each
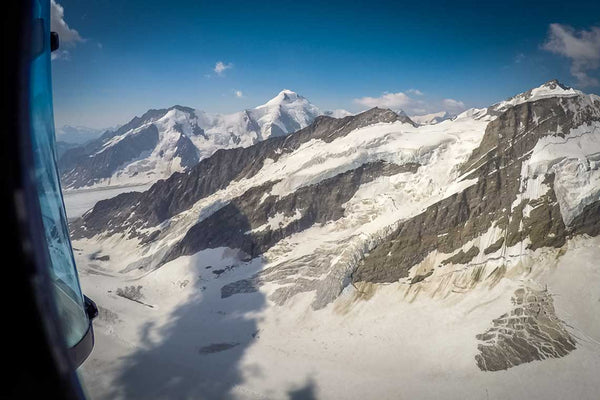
(68, 294)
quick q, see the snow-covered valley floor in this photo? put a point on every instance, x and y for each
(78, 201)
(169, 334)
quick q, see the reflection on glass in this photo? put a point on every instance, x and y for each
(66, 283)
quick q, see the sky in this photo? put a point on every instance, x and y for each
(120, 58)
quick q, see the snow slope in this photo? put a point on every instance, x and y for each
(77, 202)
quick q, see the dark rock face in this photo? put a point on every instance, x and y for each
(496, 164)
(588, 222)
(180, 191)
(88, 168)
(197, 131)
(530, 331)
(243, 223)
(420, 278)
(239, 287)
(497, 245)
(463, 257)
(187, 152)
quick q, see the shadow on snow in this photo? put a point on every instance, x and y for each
(199, 354)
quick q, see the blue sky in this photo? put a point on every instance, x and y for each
(121, 58)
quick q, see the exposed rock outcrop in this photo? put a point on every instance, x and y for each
(530, 331)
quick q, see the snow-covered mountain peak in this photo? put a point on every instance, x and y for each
(400, 112)
(283, 114)
(552, 88)
(553, 84)
(474, 113)
(286, 96)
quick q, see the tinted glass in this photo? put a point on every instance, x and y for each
(66, 284)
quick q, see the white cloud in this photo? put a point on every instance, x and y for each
(60, 55)
(410, 105)
(239, 94)
(221, 67)
(58, 25)
(387, 100)
(453, 106)
(581, 47)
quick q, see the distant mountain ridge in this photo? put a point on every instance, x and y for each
(433, 118)
(164, 141)
(77, 134)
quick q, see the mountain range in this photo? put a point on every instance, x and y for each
(164, 141)
(462, 246)
(77, 134)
